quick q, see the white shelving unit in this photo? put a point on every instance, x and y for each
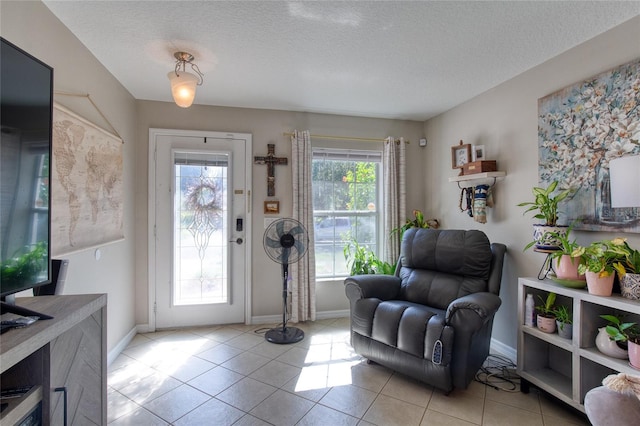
(568, 369)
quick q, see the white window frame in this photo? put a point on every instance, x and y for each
(372, 155)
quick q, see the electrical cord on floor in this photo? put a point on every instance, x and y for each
(499, 373)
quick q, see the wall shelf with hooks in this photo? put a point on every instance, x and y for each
(477, 176)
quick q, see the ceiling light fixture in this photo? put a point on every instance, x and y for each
(183, 83)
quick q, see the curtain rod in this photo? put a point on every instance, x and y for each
(345, 138)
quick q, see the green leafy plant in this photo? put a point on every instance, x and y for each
(417, 222)
(547, 308)
(631, 262)
(601, 256)
(545, 203)
(565, 245)
(621, 331)
(563, 315)
(363, 261)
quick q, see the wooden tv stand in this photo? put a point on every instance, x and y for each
(66, 352)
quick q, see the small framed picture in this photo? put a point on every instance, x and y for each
(478, 153)
(460, 155)
(272, 207)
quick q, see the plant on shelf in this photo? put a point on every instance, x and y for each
(565, 245)
(546, 319)
(601, 256)
(547, 307)
(629, 273)
(545, 207)
(545, 203)
(564, 320)
(612, 339)
(563, 314)
(564, 264)
(619, 331)
(597, 262)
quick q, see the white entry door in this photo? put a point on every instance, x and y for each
(202, 221)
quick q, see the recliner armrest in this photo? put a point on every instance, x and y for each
(383, 287)
(473, 310)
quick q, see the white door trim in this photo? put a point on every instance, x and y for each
(151, 213)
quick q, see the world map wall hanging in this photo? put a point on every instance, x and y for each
(87, 188)
(581, 128)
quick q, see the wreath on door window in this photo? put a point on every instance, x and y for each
(205, 201)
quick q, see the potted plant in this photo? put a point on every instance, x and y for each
(363, 261)
(545, 205)
(564, 321)
(597, 262)
(417, 222)
(612, 339)
(629, 273)
(546, 319)
(564, 264)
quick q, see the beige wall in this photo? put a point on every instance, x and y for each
(504, 119)
(32, 27)
(266, 126)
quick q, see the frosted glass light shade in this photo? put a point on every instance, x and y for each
(183, 87)
(624, 173)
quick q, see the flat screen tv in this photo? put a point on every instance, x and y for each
(26, 92)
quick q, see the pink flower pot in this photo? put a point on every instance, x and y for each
(600, 286)
(634, 354)
(566, 268)
(546, 324)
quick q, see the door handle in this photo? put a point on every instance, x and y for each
(237, 241)
(64, 402)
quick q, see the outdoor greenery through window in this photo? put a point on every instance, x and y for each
(346, 207)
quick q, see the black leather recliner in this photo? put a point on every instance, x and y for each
(445, 290)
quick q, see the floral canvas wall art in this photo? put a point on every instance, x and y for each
(580, 129)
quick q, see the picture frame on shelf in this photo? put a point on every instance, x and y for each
(272, 207)
(478, 153)
(460, 155)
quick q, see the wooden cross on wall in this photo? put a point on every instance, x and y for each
(271, 161)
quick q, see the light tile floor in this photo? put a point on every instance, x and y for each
(229, 375)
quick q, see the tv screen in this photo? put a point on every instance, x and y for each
(26, 92)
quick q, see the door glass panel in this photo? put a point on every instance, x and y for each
(200, 239)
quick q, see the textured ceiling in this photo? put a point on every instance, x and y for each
(407, 60)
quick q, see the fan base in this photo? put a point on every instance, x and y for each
(286, 336)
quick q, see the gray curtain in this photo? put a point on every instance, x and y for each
(303, 272)
(394, 195)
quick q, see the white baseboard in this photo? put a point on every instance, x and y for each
(270, 319)
(113, 353)
(499, 347)
(332, 314)
(144, 328)
(266, 319)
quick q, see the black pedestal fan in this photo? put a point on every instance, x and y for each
(285, 241)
